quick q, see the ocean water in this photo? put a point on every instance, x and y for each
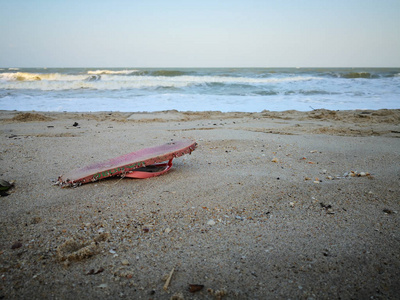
(198, 89)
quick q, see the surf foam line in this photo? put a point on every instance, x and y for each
(25, 76)
(111, 72)
(106, 82)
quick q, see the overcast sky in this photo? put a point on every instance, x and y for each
(202, 33)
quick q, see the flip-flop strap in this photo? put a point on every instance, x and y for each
(144, 174)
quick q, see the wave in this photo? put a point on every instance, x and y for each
(26, 76)
(352, 75)
(266, 93)
(111, 72)
(374, 74)
(246, 89)
(315, 92)
(168, 73)
(93, 78)
(216, 80)
(59, 81)
(22, 76)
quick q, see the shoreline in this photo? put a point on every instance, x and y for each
(340, 122)
(267, 206)
(290, 112)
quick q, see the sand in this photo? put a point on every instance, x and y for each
(271, 205)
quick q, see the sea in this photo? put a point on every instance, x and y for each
(198, 89)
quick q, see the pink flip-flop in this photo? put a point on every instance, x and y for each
(144, 163)
(150, 171)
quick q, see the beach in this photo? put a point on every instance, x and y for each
(271, 205)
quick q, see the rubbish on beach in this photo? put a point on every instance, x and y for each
(5, 185)
(144, 163)
(168, 279)
(195, 287)
(16, 245)
(93, 272)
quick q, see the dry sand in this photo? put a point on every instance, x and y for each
(267, 207)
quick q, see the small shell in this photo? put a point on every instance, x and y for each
(211, 222)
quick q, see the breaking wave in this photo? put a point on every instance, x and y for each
(364, 74)
(225, 89)
(112, 72)
(20, 76)
(358, 75)
(93, 78)
(102, 80)
(168, 73)
(26, 76)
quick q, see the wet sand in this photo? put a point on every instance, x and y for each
(271, 205)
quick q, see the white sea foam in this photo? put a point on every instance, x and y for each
(57, 81)
(198, 89)
(111, 72)
(26, 76)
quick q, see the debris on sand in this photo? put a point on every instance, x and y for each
(168, 279)
(193, 288)
(31, 117)
(73, 250)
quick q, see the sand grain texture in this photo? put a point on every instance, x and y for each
(266, 207)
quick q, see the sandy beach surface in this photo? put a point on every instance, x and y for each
(271, 205)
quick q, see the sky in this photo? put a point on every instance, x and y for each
(206, 33)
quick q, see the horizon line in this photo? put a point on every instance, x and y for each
(163, 67)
